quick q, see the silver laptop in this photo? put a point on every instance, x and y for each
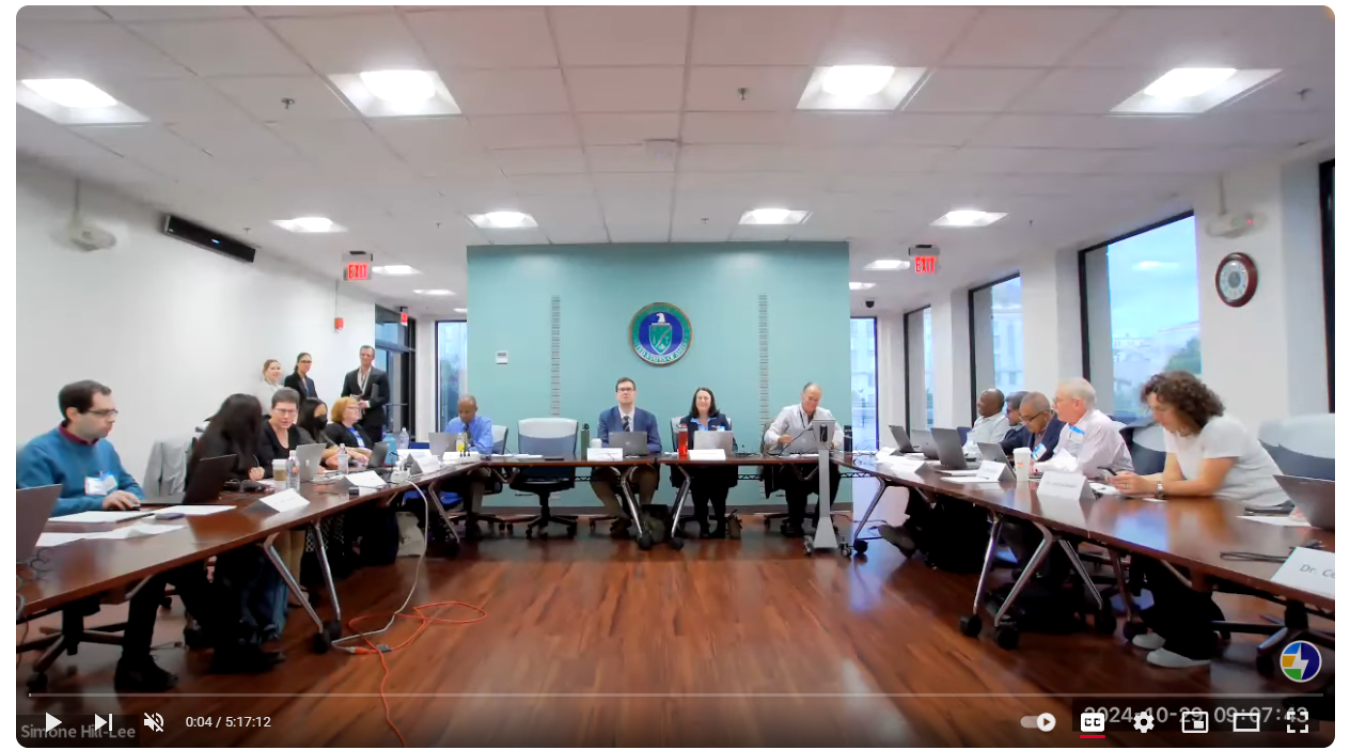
(923, 443)
(809, 440)
(632, 443)
(950, 452)
(1315, 497)
(442, 443)
(35, 506)
(310, 457)
(902, 444)
(992, 452)
(715, 441)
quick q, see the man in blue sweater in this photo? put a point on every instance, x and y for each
(77, 456)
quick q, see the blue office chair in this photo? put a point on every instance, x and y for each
(962, 432)
(494, 487)
(549, 436)
(1147, 449)
(1303, 446)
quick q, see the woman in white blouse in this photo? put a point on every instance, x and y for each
(1209, 455)
(264, 389)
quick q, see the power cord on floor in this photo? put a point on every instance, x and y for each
(421, 615)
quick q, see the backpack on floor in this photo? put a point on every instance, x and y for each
(955, 536)
(656, 520)
(1045, 606)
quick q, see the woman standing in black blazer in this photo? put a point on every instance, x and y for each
(709, 483)
(299, 380)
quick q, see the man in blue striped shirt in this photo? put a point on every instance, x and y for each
(479, 430)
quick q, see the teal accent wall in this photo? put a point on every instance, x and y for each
(601, 287)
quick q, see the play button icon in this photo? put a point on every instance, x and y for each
(1045, 722)
(52, 722)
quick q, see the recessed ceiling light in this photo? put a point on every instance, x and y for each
(859, 286)
(1183, 83)
(503, 220)
(887, 265)
(968, 217)
(857, 81)
(464, 310)
(396, 270)
(773, 216)
(75, 93)
(434, 292)
(309, 225)
(400, 86)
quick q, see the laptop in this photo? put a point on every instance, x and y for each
(1315, 497)
(992, 452)
(205, 486)
(442, 443)
(632, 443)
(950, 452)
(710, 440)
(310, 458)
(808, 441)
(902, 444)
(35, 506)
(923, 443)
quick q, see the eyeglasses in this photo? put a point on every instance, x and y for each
(103, 413)
(306, 361)
(626, 389)
(286, 412)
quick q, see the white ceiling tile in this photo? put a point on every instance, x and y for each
(625, 159)
(718, 89)
(972, 89)
(620, 129)
(730, 158)
(233, 142)
(135, 13)
(762, 188)
(892, 159)
(1303, 89)
(223, 48)
(735, 127)
(168, 100)
(1067, 161)
(95, 50)
(29, 65)
(849, 182)
(1085, 91)
(563, 210)
(525, 131)
(265, 97)
(509, 92)
(1286, 36)
(762, 35)
(520, 161)
(617, 35)
(569, 185)
(1193, 161)
(633, 183)
(838, 128)
(899, 36)
(911, 129)
(305, 11)
(697, 231)
(1015, 36)
(350, 141)
(351, 44)
(64, 13)
(162, 151)
(1026, 130)
(1164, 38)
(630, 89)
(485, 37)
(575, 234)
(629, 230)
(516, 236)
(438, 146)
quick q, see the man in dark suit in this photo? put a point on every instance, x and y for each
(626, 417)
(1040, 427)
(371, 385)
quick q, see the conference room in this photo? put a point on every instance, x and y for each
(837, 376)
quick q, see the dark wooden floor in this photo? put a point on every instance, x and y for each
(589, 642)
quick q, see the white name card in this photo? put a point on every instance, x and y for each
(426, 463)
(708, 454)
(902, 465)
(1063, 485)
(1309, 570)
(284, 501)
(994, 471)
(367, 479)
(604, 454)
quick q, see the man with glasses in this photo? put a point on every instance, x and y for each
(626, 417)
(371, 385)
(77, 456)
(1039, 429)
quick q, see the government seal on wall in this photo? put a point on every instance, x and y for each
(660, 333)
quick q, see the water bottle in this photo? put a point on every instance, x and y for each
(292, 472)
(403, 441)
(342, 460)
(461, 444)
(585, 436)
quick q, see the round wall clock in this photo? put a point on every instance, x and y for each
(1235, 279)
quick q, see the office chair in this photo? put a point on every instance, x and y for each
(549, 436)
(1147, 450)
(493, 487)
(67, 638)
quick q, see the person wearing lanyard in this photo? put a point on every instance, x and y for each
(371, 387)
(708, 484)
(1089, 437)
(346, 429)
(791, 423)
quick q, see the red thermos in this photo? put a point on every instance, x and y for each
(683, 439)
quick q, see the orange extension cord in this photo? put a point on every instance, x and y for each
(425, 621)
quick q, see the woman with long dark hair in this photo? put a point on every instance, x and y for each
(233, 430)
(708, 484)
(299, 379)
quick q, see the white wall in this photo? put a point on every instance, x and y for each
(1052, 345)
(890, 375)
(173, 329)
(951, 360)
(427, 387)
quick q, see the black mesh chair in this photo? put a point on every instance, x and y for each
(549, 436)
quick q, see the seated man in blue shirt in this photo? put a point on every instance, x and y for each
(626, 417)
(77, 456)
(474, 483)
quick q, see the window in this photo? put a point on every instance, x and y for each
(452, 368)
(996, 338)
(863, 356)
(1141, 293)
(918, 325)
(395, 354)
(1328, 174)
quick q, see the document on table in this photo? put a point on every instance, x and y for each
(368, 479)
(102, 516)
(195, 510)
(970, 480)
(54, 539)
(1279, 520)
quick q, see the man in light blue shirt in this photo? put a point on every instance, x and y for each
(479, 430)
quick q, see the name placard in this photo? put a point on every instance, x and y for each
(1309, 570)
(1063, 485)
(901, 465)
(709, 454)
(284, 501)
(604, 454)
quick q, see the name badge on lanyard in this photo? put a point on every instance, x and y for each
(1075, 437)
(100, 485)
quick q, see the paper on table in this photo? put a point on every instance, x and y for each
(970, 480)
(195, 510)
(284, 501)
(959, 472)
(57, 538)
(1279, 520)
(135, 530)
(102, 516)
(367, 479)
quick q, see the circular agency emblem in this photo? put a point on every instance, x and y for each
(660, 333)
(1300, 661)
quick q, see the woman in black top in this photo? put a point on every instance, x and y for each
(233, 430)
(299, 379)
(345, 429)
(709, 483)
(314, 420)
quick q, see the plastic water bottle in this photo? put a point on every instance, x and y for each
(461, 444)
(585, 436)
(343, 460)
(292, 472)
(403, 441)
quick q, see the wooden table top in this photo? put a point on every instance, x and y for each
(80, 569)
(1190, 532)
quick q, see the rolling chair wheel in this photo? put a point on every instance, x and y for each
(511, 529)
(970, 625)
(543, 533)
(529, 532)
(38, 682)
(1006, 636)
(676, 543)
(860, 546)
(571, 532)
(1265, 664)
(322, 642)
(645, 542)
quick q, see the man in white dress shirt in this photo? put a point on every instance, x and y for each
(785, 430)
(992, 424)
(1088, 435)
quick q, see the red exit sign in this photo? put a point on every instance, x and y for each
(358, 271)
(925, 264)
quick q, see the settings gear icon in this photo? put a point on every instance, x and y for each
(1143, 721)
